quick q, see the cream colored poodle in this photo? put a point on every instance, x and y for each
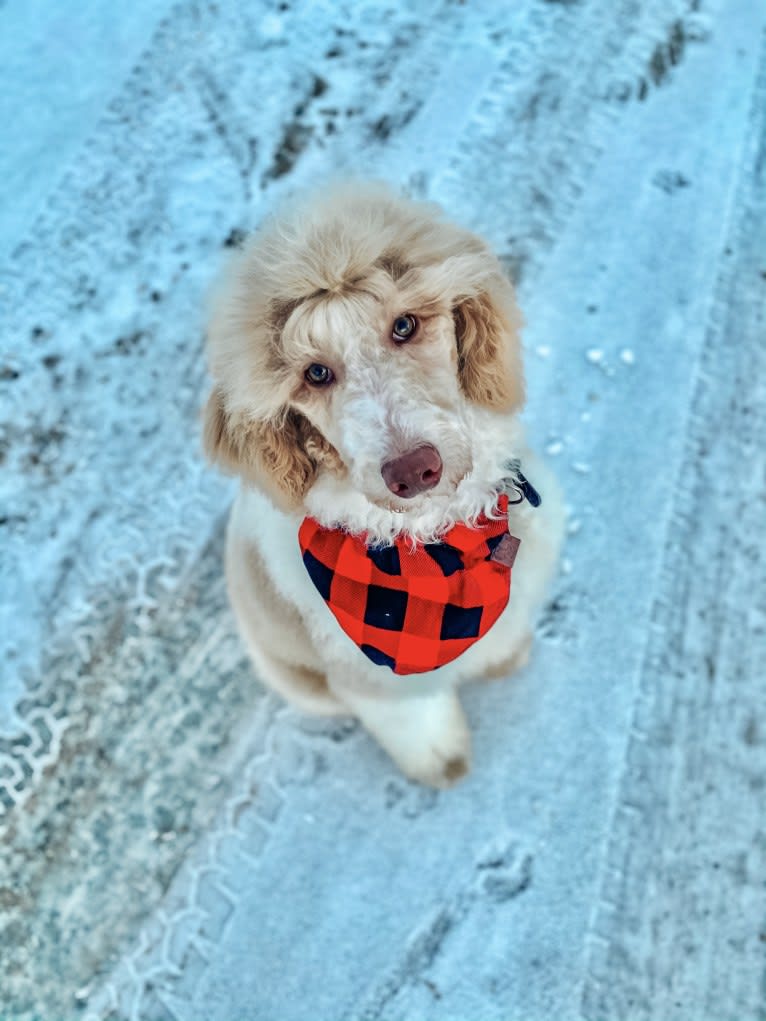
(367, 382)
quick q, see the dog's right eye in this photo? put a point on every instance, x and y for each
(318, 375)
(404, 327)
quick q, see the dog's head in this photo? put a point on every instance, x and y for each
(366, 362)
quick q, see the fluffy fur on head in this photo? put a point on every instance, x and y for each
(321, 283)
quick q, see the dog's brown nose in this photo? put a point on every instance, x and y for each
(414, 472)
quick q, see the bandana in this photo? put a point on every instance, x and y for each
(415, 609)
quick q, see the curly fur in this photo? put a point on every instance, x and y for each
(322, 281)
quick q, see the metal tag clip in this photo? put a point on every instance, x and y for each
(519, 484)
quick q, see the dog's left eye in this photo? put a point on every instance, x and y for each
(318, 375)
(404, 328)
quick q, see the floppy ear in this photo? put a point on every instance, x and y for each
(487, 329)
(280, 456)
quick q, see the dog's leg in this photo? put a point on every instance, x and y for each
(426, 735)
(517, 660)
(274, 633)
(301, 686)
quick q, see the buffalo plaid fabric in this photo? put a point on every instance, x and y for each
(412, 610)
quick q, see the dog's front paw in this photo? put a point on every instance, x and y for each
(435, 770)
(426, 735)
(517, 660)
(438, 757)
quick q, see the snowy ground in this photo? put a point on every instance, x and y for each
(174, 842)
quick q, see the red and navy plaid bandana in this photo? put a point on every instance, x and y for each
(413, 610)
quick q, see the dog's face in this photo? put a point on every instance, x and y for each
(367, 365)
(376, 374)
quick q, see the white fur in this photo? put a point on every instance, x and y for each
(386, 400)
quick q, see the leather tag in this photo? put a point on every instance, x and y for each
(506, 550)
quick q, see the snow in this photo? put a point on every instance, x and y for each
(177, 843)
(60, 66)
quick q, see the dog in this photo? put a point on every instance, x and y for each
(367, 382)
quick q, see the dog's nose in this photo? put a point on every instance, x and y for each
(414, 472)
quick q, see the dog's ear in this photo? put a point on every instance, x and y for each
(280, 456)
(487, 327)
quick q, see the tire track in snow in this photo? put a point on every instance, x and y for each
(683, 889)
(549, 112)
